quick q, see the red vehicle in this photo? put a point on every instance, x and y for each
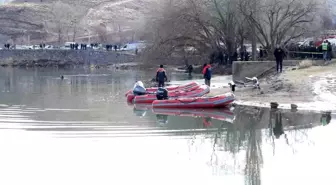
(196, 91)
(196, 102)
(316, 42)
(170, 88)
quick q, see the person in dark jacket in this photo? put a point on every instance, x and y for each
(220, 57)
(246, 56)
(279, 54)
(261, 53)
(190, 69)
(161, 76)
(329, 50)
(207, 73)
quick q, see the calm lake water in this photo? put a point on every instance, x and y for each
(81, 131)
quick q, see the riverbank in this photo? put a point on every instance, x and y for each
(62, 58)
(197, 69)
(310, 88)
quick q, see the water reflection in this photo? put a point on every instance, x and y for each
(241, 130)
(276, 122)
(162, 119)
(207, 121)
(326, 118)
(217, 146)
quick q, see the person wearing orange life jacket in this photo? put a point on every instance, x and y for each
(207, 122)
(161, 76)
(207, 73)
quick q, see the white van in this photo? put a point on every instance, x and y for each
(67, 45)
(133, 46)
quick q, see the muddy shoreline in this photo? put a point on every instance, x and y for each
(293, 86)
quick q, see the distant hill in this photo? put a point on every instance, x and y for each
(121, 19)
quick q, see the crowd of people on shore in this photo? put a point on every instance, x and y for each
(222, 57)
(324, 51)
(7, 46)
(72, 46)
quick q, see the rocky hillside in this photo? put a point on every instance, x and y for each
(18, 20)
(38, 20)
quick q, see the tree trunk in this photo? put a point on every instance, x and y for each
(59, 36)
(68, 37)
(254, 40)
(74, 33)
(230, 50)
(242, 42)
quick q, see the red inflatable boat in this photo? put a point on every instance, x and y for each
(197, 102)
(196, 91)
(219, 114)
(169, 88)
(152, 96)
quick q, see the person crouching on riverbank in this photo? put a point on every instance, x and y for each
(207, 73)
(279, 54)
(161, 76)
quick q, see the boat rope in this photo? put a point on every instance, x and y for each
(185, 102)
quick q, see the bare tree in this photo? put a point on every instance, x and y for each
(279, 21)
(66, 19)
(229, 23)
(59, 21)
(77, 14)
(101, 31)
(209, 26)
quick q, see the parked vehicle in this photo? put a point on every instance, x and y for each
(133, 46)
(67, 45)
(22, 47)
(49, 47)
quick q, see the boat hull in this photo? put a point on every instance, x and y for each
(196, 102)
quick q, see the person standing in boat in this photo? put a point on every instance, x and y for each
(161, 76)
(190, 69)
(207, 73)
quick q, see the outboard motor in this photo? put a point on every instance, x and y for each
(139, 88)
(162, 93)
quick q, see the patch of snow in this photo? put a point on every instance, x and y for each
(322, 90)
